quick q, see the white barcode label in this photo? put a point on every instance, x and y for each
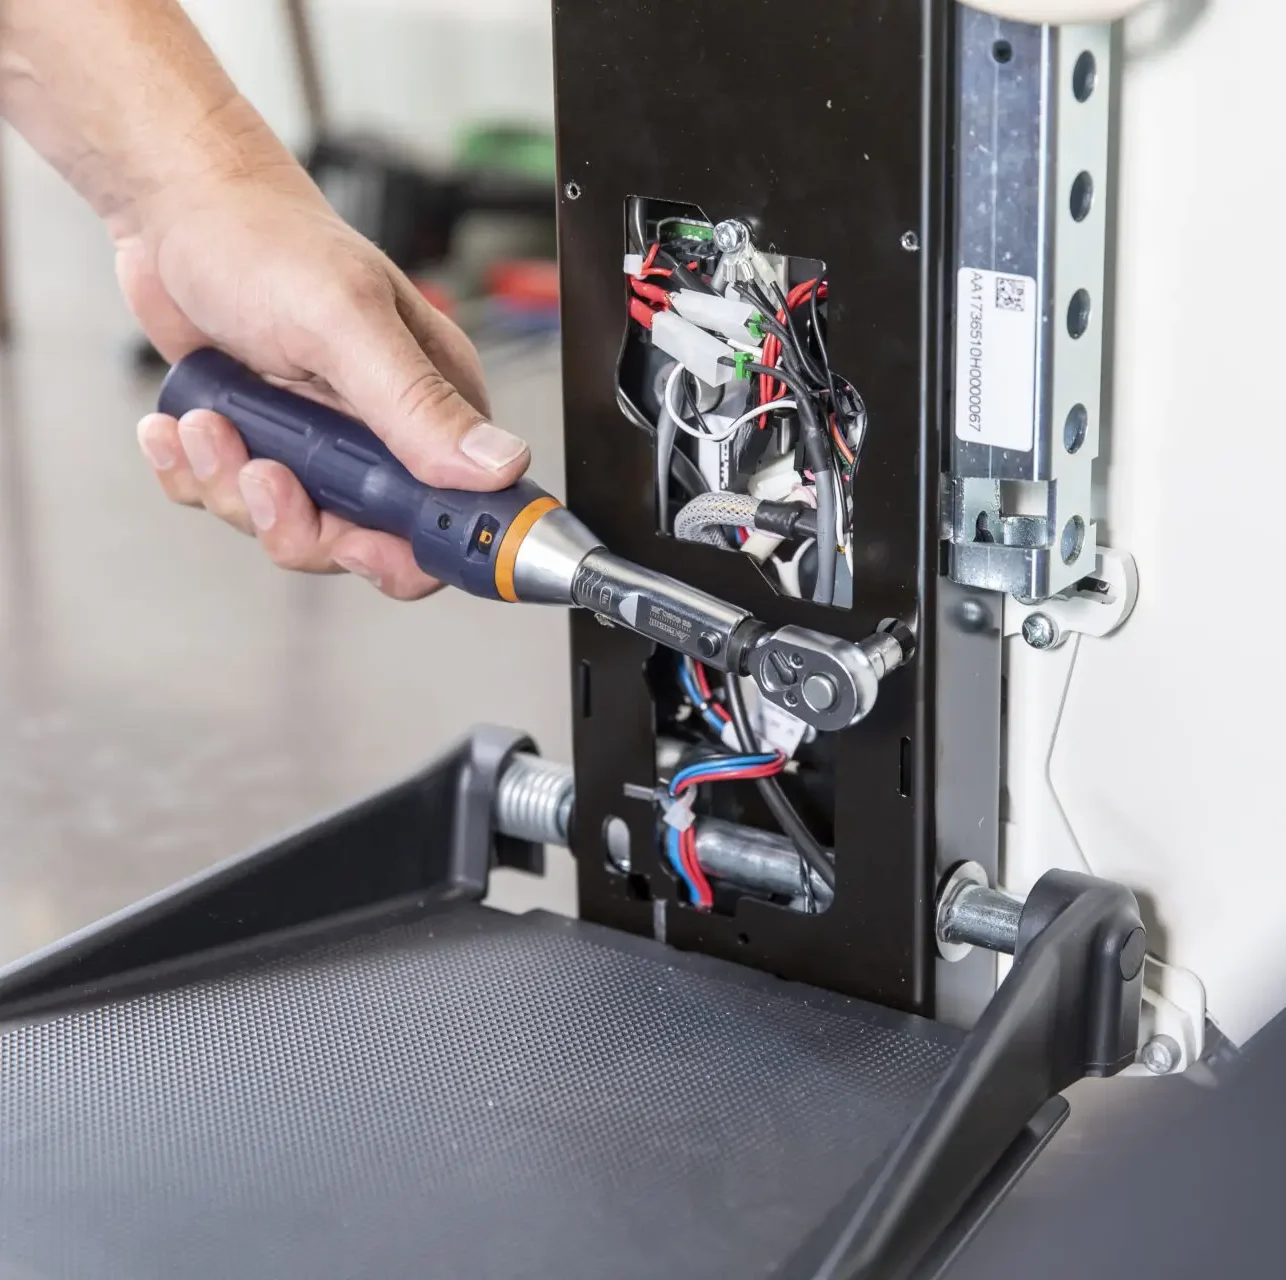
(996, 330)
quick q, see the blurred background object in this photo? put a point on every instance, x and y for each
(448, 203)
(159, 705)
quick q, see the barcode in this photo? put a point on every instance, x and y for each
(1011, 294)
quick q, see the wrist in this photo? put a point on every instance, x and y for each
(228, 146)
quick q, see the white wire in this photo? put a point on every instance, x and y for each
(714, 437)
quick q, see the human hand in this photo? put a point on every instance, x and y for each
(261, 267)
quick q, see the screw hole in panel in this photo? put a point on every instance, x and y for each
(617, 842)
(1002, 51)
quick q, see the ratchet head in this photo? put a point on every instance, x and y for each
(826, 682)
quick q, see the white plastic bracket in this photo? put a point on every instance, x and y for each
(1097, 605)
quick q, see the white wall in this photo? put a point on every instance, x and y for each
(414, 71)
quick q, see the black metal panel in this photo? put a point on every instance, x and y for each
(826, 125)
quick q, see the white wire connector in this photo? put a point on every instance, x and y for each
(633, 264)
(678, 813)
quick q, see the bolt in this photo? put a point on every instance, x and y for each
(731, 236)
(796, 659)
(1039, 631)
(820, 692)
(791, 699)
(1161, 1055)
(709, 643)
(910, 242)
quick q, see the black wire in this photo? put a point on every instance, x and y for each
(693, 400)
(805, 359)
(815, 316)
(790, 355)
(689, 279)
(774, 797)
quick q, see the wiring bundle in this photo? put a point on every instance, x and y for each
(739, 760)
(740, 393)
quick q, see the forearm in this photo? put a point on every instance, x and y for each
(126, 100)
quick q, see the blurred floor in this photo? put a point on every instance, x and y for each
(167, 697)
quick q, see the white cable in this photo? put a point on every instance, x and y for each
(714, 437)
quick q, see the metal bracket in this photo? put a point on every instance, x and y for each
(1033, 160)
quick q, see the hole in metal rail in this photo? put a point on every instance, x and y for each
(1002, 51)
(1078, 313)
(1074, 427)
(1073, 540)
(1084, 76)
(1082, 196)
(905, 769)
(583, 689)
(572, 191)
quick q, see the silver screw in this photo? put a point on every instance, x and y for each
(1039, 631)
(1161, 1055)
(910, 242)
(731, 236)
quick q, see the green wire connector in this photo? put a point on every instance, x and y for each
(755, 326)
(743, 360)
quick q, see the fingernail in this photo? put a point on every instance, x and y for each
(350, 564)
(258, 499)
(154, 440)
(490, 447)
(199, 448)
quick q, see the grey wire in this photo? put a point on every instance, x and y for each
(827, 548)
(666, 431)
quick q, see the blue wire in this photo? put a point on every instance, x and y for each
(714, 769)
(675, 855)
(694, 696)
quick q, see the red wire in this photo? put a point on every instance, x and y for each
(640, 311)
(691, 864)
(734, 775)
(840, 442)
(652, 292)
(706, 692)
(800, 294)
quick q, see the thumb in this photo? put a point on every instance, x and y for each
(382, 372)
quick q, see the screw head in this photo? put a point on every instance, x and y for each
(1039, 631)
(709, 643)
(910, 242)
(791, 699)
(820, 692)
(796, 659)
(1161, 1055)
(731, 236)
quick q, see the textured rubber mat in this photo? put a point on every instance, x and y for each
(473, 1095)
